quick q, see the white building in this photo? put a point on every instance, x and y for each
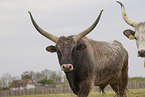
(21, 84)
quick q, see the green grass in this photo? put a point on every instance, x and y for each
(130, 93)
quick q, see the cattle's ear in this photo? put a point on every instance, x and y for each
(129, 34)
(51, 49)
(81, 46)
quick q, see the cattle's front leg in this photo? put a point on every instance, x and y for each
(85, 88)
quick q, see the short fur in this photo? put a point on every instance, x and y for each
(138, 34)
(100, 64)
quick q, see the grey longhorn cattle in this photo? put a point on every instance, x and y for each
(138, 34)
(87, 62)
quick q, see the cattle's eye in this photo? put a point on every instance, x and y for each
(81, 47)
(73, 52)
(136, 37)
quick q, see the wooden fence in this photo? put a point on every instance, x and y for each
(61, 89)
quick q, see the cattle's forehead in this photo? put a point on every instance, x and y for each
(140, 31)
(65, 43)
(140, 28)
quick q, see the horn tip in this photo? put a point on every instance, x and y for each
(117, 1)
(29, 11)
(102, 10)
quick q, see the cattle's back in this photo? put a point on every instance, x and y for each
(107, 57)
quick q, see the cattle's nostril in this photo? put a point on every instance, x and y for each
(63, 67)
(138, 52)
(70, 66)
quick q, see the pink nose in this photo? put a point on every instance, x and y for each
(67, 67)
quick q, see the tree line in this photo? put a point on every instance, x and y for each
(44, 77)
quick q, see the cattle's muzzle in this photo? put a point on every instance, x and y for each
(141, 53)
(67, 67)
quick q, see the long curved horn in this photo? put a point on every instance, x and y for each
(41, 31)
(85, 32)
(124, 15)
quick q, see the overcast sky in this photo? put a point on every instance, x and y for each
(22, 48)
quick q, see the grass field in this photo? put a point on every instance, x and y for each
(130, 93)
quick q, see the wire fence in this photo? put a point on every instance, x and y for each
(65, 88)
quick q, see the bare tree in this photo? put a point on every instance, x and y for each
(59, 77)
(6, 80)
(46, 73)
(56, 77)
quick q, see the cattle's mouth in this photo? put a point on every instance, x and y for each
(142, 56)
(67, 67)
